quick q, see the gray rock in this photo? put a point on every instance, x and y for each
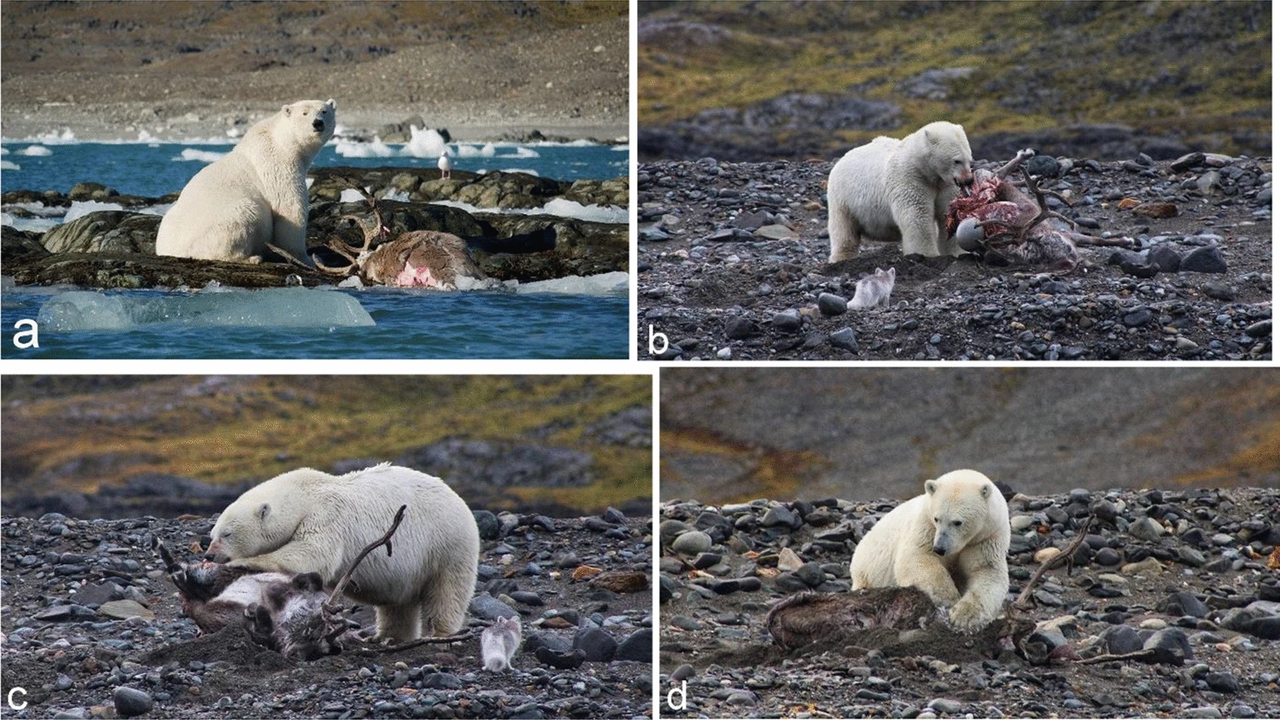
(488, 525)
(844, 339)
(1119, 639)
(788, 321)
(1219, 290)
(1146, 529)
(692, 543)
(131, 701)
(739, 328)
(441, 681)
(1165, 257)
(1223, 682)
(1205, 260)
(597, 644)
(780, 515)
(638, 646)
(1184, 603)
(1170, 646)
(829, 304)
(487, 607)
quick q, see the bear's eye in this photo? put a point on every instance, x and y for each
(957, 523)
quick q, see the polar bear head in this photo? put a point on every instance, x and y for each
(946, 150)
(262, 519)
(965, 506)
(306, 125)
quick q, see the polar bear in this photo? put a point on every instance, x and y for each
(255, 195)
(950, 542)
(899, 191)
(309, 521)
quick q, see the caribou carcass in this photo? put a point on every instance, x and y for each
(419, 258)
(997, 220)
(294, 615)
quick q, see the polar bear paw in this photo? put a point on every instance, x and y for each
(967, 615)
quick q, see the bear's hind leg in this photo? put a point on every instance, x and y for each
(400, 623)
(446, 601)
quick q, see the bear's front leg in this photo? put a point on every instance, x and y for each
(914, 218)
(986, 586)
(294, 558)
(924, 570)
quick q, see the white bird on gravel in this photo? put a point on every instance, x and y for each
(445, 165)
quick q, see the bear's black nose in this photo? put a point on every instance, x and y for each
(318, 124)
(939, 550)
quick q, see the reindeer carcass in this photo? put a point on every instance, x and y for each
(993, 218)
(420, 258)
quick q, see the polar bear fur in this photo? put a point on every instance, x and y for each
(898, 191)
(255, 195)
(309, 521)
(951, 543)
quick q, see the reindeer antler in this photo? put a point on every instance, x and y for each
(380, 229)
(384, 540)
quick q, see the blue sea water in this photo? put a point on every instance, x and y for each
(408, 324)
(155, 169)
(580, 321)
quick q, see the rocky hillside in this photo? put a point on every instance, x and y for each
(732, 265)
(179, 69)
(731, 435)
(167, 446)
(755, 81)
(92, 627)
(1184, 579)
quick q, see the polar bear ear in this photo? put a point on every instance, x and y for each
(263, 511)
(986, 491)
(931, 486)
(331, 103)
(287, 110)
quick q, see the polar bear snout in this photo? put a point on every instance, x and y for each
(964, 178)
(318, 124)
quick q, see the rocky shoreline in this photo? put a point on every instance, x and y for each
(92, 628)
(116, 249)
(1191, 573)
(732, 266)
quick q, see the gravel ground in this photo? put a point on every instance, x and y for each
(732, 264)
(1186, 570)
(93, 628)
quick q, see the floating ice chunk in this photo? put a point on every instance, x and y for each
(522, 152)
(275, 307)
(610, 283)
(350, 195)
(36, 151)
(526, 171)
(424, 143)
(558, 207)
(355, 148)
(205, 156)
(471, 151)
(8, 165)
(4, 151)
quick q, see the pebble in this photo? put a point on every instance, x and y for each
(692, 543)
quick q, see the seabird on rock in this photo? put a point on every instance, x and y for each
(444, 165)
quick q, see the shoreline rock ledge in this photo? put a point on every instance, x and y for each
(116, 248)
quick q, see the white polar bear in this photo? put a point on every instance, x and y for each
(309, 521)
(950, 542)
(255, 195)
(898, 191)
